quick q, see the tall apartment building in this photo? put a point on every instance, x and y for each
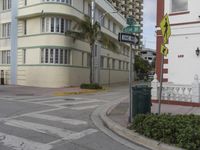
(130, 8)
(45, 56)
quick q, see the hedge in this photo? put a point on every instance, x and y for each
(90, 86)
(180, 130)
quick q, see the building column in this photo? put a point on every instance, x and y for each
(14, 32)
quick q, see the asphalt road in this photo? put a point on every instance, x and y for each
(57, 123)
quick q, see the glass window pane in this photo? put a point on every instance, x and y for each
(179, 5)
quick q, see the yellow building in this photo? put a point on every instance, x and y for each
(45, 56)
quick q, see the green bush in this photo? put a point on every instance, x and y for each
(90, 86)
(179, 130)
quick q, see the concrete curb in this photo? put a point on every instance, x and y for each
(78, 92)
(131, 135)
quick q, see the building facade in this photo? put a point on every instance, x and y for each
(44, 55)
(148, 54)
(182, 62)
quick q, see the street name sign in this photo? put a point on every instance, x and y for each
(165, 28)
(132, 29)
(128, 38)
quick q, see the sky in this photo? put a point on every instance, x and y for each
(149, 22)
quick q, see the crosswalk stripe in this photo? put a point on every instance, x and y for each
(40, 128)
(76, 136)
(64, 134)
(83, 107)
(60, 119)
(78, 102)
(18, 143)
(50, 101)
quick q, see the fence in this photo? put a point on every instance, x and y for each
(174, 92)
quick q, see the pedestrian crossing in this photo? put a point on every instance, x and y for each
(80, 127)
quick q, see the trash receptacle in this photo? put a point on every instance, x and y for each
(141, 100)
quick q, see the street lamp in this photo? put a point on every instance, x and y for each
(197, 51)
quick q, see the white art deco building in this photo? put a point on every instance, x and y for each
(35, 51)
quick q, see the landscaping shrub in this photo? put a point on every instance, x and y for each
(180, 130)
(90, 86)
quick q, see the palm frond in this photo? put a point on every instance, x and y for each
(75, 35)
(109, 43)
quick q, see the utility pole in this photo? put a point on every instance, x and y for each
(14, 31)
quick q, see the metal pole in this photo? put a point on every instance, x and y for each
(108, 69)
(161, 80)
(14, 30)
(130, 84)
(93, 46)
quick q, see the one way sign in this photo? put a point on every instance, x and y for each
(128, 38)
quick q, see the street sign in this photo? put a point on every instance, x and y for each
(128, 38)
(130, 21)
(132, 29)
(165, 28)
(164, 50)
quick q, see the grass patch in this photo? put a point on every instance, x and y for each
(180, 130)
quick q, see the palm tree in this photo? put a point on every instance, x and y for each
(91, 33)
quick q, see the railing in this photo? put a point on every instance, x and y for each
(174, 92)
(177, 92)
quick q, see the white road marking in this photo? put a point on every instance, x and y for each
(59, 119)
(18, 143)
(64, 134)
(76, 136)
(50, 101)
(40, 128)
(79, 102)
(83, 107)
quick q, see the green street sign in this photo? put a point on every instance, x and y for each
(132, 29)
(130, 21)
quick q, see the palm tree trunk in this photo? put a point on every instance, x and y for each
(91, 64)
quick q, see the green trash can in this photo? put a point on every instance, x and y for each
(141, 100)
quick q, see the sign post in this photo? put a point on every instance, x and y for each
(128, 36)
(166, 33)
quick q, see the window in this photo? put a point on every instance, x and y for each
(114, 27)
(24, 56)
(102, 62)
(88, 59)
(25, 27)
(5, 57)
(55, 56)
(179, 5)
(113, 64)
(109, 22)
(55, 24)
(6, 29)
(120, 64)
(59, 1)
(6, 4)
(108, 62)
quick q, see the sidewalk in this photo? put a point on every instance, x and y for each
(15, 90)
(119, 121)
(120, 113)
